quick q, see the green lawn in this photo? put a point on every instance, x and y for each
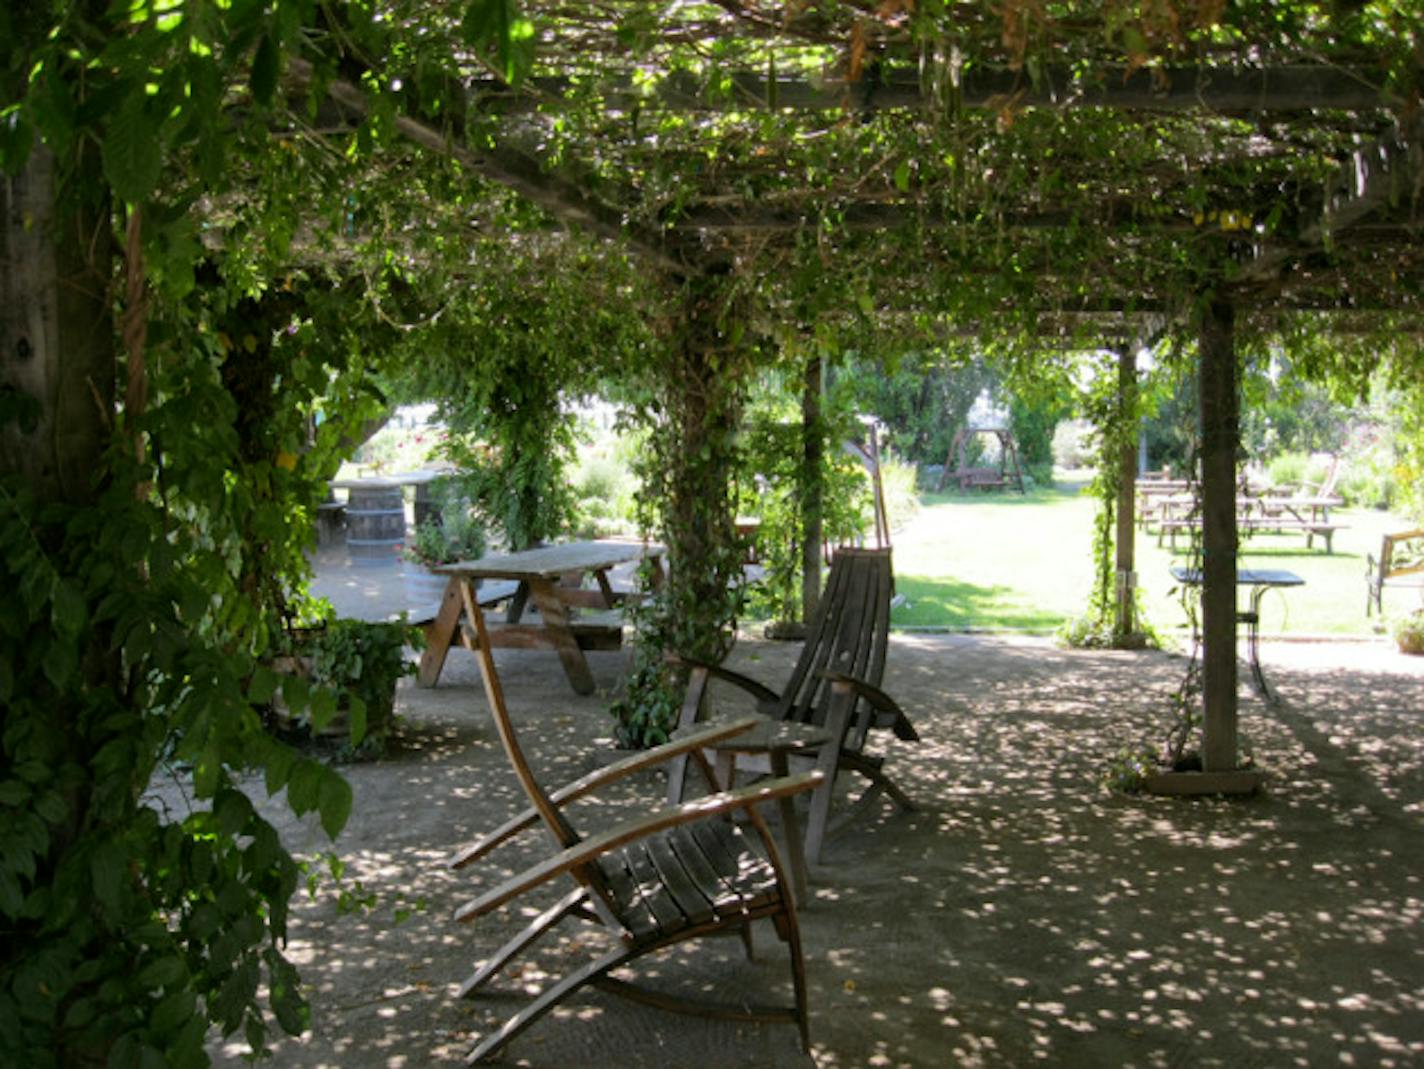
(1009, 562)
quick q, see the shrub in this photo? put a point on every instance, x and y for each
(902, 495)
(1072, 444)
(1289, 470)
(603, 487)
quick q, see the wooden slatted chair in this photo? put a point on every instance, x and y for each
(677, 874)
(835, 684)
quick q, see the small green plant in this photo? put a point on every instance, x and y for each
(456, 535)
(1129, 769)
(351, 666)
(453, 531)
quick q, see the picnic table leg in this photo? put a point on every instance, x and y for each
(441, 634)
(610, 597)
(515, 612)
(555, 615)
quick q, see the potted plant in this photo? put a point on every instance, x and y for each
(1409, 632)
(451, 534)
(343, 679)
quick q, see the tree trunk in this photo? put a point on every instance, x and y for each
(56, 330)
(1219, 419)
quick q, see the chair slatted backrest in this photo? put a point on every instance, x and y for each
(849, 633)
(1332, 476)
(563, 832)
(1400, 555)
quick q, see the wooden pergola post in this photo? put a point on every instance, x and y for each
(1219, 425)
(1126, 540)
(812, 488)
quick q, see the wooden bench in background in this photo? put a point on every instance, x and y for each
(1400, 563)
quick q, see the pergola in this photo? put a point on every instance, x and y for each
(1103, 173)
(194, 194)
(1091, 173)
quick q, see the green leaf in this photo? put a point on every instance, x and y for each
(17, 136)
(60, 663)
(265, 66)
(81, 1013)
(334, 802)
(232, 808)
(11, 900)
(13, 792)
(263, 685)
(292, 1011)
(495, 26)
(356, 711)
(902, 176)
(323, 708)
(51, 807)
(132, 156)
(304, 787)
(162, 972)
(108, 867)
(173, 1012)
(207, 773)
(278, 761)
(296, 693)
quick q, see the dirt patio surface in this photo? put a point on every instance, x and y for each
(1023, 915)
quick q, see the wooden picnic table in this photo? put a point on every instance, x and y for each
(1309, 515)
(552, 577)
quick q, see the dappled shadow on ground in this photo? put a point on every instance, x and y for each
(1022, 915)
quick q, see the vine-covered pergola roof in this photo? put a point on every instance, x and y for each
(1075, 157)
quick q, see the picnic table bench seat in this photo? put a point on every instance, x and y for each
(1278, 524)
(488, 594)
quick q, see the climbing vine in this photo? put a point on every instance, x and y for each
(688, 498)
(1115, 416)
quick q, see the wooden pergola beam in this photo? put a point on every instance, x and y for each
(1379, 175)
(1281, 89)
(564, 200)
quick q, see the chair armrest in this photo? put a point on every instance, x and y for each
(763, 694)
(597, 778)
(878, 700)
(630, 831)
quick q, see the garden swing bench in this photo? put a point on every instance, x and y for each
(971, 477)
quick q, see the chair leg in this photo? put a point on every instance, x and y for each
(571, 902)
(798, 976)
(547, 1000)
(697, 681)
(827, 762)
(870, 767)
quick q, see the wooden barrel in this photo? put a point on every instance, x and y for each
(375, 524)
